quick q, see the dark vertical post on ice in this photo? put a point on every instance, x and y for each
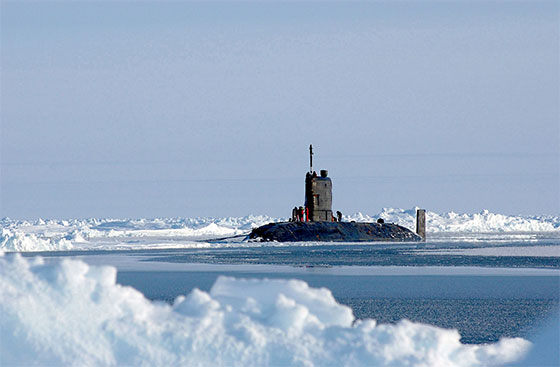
(421, 223)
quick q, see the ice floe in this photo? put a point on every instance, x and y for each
(70, 313)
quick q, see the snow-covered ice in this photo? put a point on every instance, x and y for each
(70, 313)
(121, 234)
(468, 223)
(159, 233)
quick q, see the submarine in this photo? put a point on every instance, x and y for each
(314, 221)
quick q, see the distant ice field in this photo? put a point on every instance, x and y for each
(484, 228)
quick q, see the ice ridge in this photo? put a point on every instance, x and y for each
(69, 313)
(120, 234)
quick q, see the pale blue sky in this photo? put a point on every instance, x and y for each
(122, 109)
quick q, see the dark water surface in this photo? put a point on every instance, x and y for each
(482, 308)
(354, 255)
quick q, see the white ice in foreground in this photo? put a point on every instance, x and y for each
(70, 313)
(113, 234)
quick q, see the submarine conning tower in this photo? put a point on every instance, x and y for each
(318, 194)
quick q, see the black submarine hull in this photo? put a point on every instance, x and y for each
(333, 232)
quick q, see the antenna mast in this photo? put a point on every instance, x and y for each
(310, 158)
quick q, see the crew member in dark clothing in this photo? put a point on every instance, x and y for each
(294, 214)
(339, 215)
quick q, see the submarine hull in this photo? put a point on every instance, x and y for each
(333, 232)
